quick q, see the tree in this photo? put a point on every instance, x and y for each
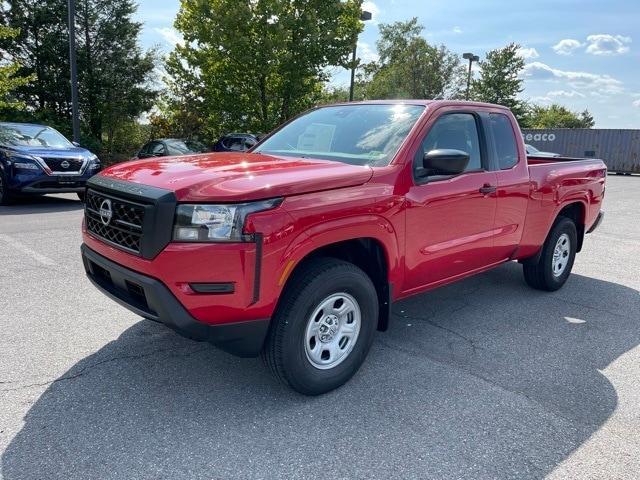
(409, 67)
(500, 80)
(9, 80)
(252, 65)
(557, 116)
(113, 72)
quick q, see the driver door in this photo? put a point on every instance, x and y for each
(450, 219)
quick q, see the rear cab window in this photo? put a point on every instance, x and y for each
(504, 141)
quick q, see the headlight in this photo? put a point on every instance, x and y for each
(94, 163)
(216, 223)
(22, 161)
(26, 166)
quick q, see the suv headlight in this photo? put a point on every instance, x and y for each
(94, 163)
(216, 223)
(22, 161)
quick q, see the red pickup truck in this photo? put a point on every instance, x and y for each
(297, 249)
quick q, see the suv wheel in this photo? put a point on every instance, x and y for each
(5, 196)
(555, 263)
(323, 327)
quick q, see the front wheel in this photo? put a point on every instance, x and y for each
(555, 263)
(5, 196)
(323, 327)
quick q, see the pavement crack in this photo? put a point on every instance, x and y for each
(427, 320)
(86, 369)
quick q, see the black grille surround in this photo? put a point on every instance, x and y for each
(74, 165)
(142, 217)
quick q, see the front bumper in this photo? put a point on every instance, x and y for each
(150, 298)
(42, 183)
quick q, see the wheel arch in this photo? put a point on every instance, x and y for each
(374, 255)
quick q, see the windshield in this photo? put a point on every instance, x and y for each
(355, 134)
(16, 135)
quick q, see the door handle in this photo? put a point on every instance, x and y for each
(486, 189)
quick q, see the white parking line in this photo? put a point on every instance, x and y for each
(21, 247)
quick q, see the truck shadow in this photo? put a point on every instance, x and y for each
(42, 204)
(485, 378)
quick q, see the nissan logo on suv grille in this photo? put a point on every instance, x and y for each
(105, 211)
(65, 164)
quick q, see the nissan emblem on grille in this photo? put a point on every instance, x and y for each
(105, 211)
(65, 164)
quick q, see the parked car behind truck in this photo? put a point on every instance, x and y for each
(296, 250)
(36, 159)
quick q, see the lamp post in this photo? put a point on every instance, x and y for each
(75, 118)
(364, 16)
(472, 58)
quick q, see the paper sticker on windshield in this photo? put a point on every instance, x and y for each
(317, 137)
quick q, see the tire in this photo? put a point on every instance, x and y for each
(81, 196)
(551, 272)
(306, 347)
(5, 196)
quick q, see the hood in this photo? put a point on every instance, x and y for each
(238, 176)
(71, 152)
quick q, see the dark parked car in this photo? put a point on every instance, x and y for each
(534, 152)
(235, 142)
(36, 159)
(165, 147)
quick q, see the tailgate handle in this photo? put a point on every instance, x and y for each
(486, 189)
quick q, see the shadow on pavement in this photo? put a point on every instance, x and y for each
(485, 378)
(42, 204)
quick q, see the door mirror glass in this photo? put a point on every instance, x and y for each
(445, 161)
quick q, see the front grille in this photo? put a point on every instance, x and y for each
(124, 229)
(63, 164)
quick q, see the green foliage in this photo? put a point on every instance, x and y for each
(252, 65)
(9, 78)
(409, 67)
(500, 80)
(557, 116)
(113, 72)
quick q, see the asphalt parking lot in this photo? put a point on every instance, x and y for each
(482, 379)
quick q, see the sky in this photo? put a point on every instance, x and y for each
(584, 54)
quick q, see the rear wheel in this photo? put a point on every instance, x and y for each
(558, 254)
(323, 328)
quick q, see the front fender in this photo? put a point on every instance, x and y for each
(334, 231)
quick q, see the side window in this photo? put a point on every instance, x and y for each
(504, 141)
(457, 131)
(156, 149)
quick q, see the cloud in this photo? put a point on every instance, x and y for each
(565, 94)
(457, 30)
(636, 103)
(604, 84)
(170, 35)
(527, 53)
(566, 46)
(605, 44)
(366, 53)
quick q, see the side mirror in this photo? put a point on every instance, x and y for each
(76, 144)
(445, 162)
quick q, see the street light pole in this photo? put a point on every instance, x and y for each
(75, 117)
(364, 16)
(472, 58)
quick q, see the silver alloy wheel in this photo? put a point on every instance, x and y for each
(332, 331)
(561, 255)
